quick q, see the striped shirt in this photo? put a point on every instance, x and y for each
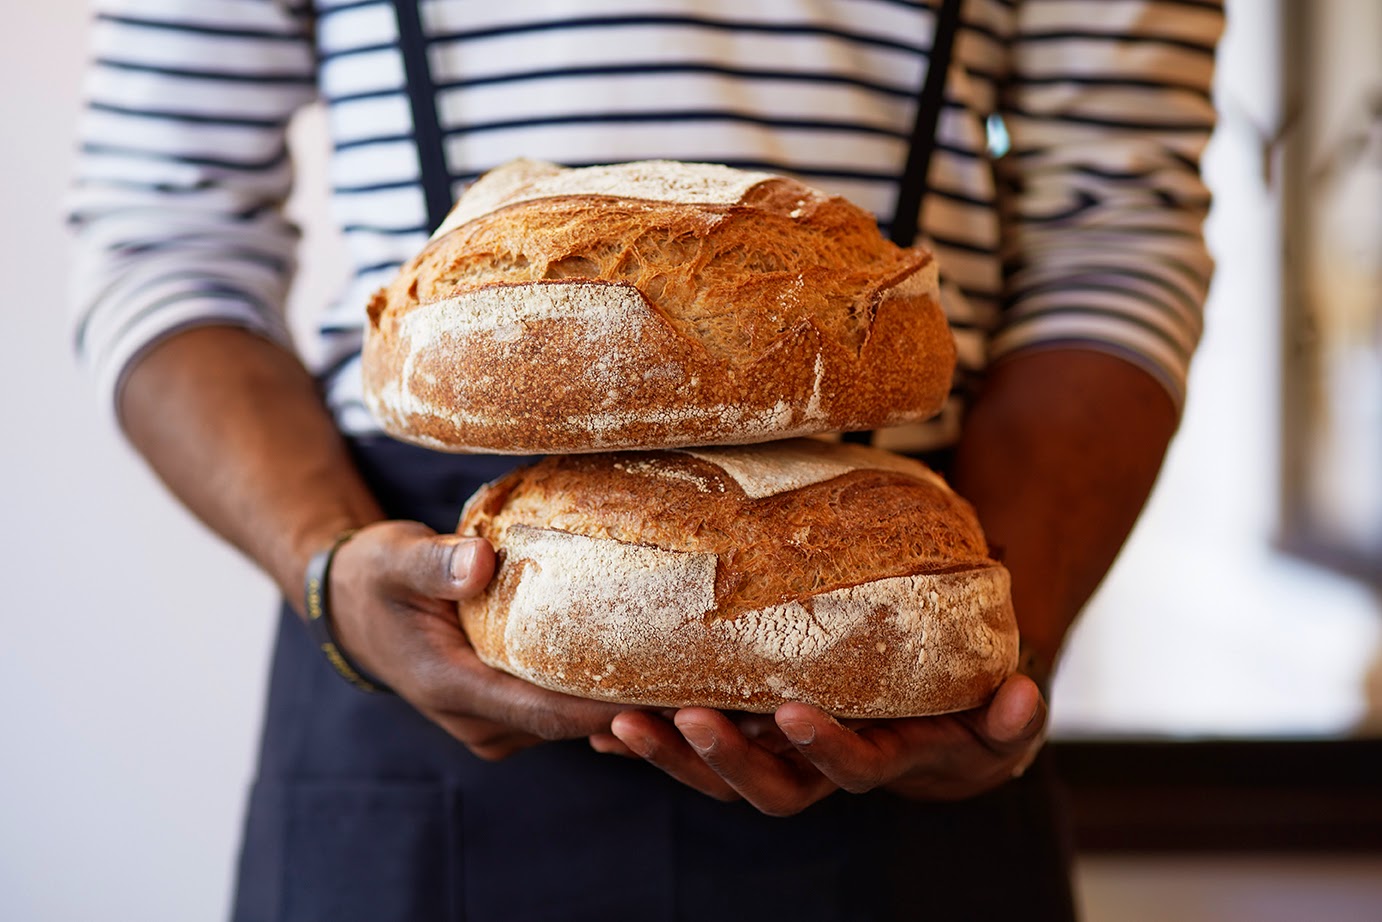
(1065, 203)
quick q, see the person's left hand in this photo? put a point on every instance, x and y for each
(784, 763)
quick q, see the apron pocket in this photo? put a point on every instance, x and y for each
(345, 851)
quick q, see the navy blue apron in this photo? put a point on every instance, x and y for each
(364, 810)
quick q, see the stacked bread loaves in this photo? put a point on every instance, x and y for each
(651, 308)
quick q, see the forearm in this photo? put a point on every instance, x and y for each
(1058, 456)
(235, 427)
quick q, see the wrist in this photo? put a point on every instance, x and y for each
(305, 543)
(318, 615)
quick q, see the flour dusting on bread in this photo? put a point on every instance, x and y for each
(600, 310)
(626, 587)
(767, 470)
(648, 180)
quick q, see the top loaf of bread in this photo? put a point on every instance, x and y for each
(653, 305)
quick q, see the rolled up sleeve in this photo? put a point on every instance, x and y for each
(182, 173)
(1108, 107)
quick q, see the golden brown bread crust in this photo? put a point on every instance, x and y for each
(743, 578)
(583, 321)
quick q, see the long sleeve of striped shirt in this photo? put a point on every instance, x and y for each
(1108, 107)
(182, 173)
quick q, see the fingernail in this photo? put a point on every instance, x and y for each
(462, 560)
(702, 738)
(800, 732)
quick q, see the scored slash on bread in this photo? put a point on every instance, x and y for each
(741, 578)
(653, 305)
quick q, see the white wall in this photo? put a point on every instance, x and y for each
(133, 645)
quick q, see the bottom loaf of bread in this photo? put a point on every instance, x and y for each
(742, 578)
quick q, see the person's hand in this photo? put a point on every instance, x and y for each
(394, 587)
(783, 765)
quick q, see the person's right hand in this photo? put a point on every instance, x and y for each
(394, 587)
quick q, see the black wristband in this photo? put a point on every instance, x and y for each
(317, 604)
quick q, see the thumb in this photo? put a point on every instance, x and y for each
(440, 566)
(462, 567)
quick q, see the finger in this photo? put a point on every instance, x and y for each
(658, 742)
(1014, 717)
(855, 761)
(774, 784)
(611, 745)
(762, 731)
(470, 687)
(487, 740)
(1009, 722)
(1015, 725)
(455, 688)
(411, 557)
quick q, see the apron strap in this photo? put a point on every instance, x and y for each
(422, 99)
(436, 177)
(911, 194)
(912, 187)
